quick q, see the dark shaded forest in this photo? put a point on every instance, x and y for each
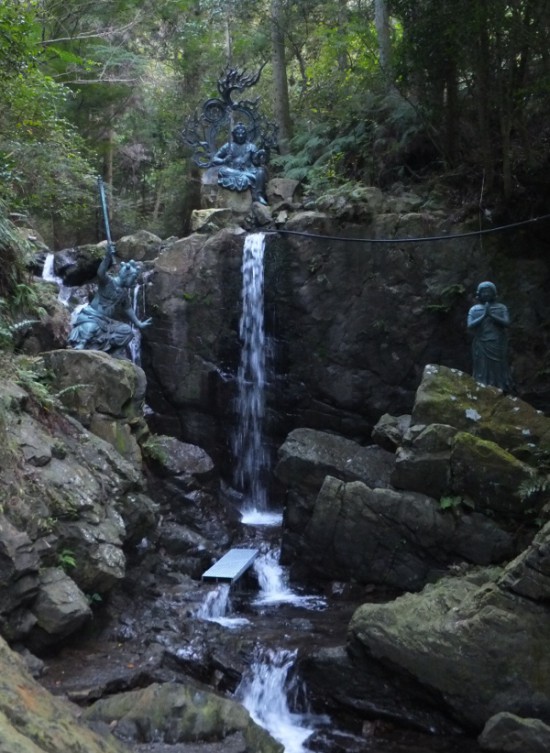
(447, 95)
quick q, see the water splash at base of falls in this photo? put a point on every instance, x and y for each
(270, 692)
(274, 587)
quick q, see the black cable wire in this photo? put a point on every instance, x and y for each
(410, 240)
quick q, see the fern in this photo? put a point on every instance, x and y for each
(13, 251)
(537, 484)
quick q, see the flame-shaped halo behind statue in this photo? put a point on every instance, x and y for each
(206, 130)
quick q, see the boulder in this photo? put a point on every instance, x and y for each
(34, 721)
(528, 575)
(195, 297)
(360, 204)
(508, 733)
(333, 684)
(180, 713)
(90, 381)
(261, 214)
(140, 246)
(304, 460)
(281, 189)
(441, 461)
(423, 461)
(19, 577)
(307, 456)
(74, 501)
(473, 643)
(105, 394)
(488, 474)
(60, 608)
(171, 457)
(391, 538)
(211, 220)
(79, 265)
(451, 397)
(389, 431)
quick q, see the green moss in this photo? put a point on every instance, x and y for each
(485, 451)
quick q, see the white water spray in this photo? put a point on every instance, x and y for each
(135, 342)
(48, 274)
(274, 587)
(265, 692)
(217, 608)
(138, 305)
(248, 441)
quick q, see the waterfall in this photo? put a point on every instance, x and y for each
(216, 603)
(135, 342)
(274, 588)
(217, 607)
(248, 441)
(139, 306)
(48, 274)
(265, 692)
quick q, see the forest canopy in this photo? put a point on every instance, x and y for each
(448, 95)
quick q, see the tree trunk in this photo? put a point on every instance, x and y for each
(280, 82)
(483, 97)
(342, 24)
(381, 22)
(451, 111)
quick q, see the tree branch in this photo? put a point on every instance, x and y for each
(90, 35)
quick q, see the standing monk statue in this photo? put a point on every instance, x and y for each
(488, 322)
(98, 325)
(242, 165)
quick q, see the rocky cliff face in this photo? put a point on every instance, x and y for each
(460, 516)
(350, 324)
(69, 503)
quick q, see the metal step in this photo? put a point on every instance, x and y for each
(231, 566)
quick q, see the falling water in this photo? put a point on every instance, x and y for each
(216, 603)
(265, 692)
(48, 274)
(217, 608)
(274, 587)
(135, 342)
(248, 441)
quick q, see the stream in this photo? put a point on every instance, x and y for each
(245, 640)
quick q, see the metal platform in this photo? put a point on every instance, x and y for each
(231, 566)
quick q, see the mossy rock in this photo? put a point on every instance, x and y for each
(179, 713)
(449, 396)
(489, 474)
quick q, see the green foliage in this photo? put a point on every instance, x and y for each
(455, 503)
(154, 450)
(449, 502)
(43, 160)
(66, 559)
(8, 331)
(88, 88)
(448, 297)
(19, 304)
(94, 599)
(13, 252)
(537, 484)
(17, 38)
(368, 143)
(33, 376)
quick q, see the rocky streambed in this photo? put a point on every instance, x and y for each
(150, 634)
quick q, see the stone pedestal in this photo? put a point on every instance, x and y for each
(215, 197)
